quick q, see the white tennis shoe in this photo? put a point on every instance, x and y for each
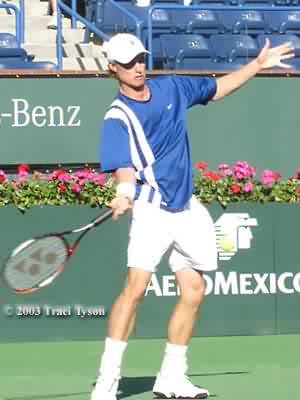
(105, 389)
(178, 388)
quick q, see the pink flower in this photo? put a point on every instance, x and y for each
(76, 188)
(248, 187)
(22, 179)
(225, 170)
(243, 170)
(298, 173)
(99, 179)
(3, 176)
(84, 174)
(61, 176)
(269, 178)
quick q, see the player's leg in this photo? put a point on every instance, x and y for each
(121, 323)
(148, 242)
(172, 378)
(194, 251)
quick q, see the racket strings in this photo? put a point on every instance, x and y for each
(35, 263)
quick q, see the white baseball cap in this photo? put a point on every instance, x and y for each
(123, 48)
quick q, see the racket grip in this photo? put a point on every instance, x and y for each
(103, 217)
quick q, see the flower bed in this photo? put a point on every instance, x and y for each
(238, 183)
(229, 184)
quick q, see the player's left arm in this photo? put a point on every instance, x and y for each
(267, 58)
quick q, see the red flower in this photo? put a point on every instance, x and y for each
(62, 188)
(235, 189)
(23, 169)
(212, 175)
(3, 176)
(201, 166)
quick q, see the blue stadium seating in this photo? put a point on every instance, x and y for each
(258, 3)
(45, 65)
(192, 52)
(286, 3)
(249, 22)
(215, 2)
(184, 46)
(14, 53)
(168, 1)
(234, 48)
(8, 40)
(283, 21)
(203, 22)
(220, 39)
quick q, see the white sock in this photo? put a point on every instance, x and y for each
(111, 359)
(175, 360)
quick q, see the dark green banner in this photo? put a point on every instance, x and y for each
(57, 120)
(255, 291)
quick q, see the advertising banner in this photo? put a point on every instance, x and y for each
(255, 291)
(57, 121)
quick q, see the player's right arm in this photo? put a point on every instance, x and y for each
(115, 157)
(125, 193)
(267, 58)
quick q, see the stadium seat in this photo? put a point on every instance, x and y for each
(167, 1)
(257, 2)
(17, 52)
(14, 53)
(45, 65)
(112, 20)
(234, 48)
(191, 52)
(283, 21)
(286, 3)
(202, 22)
(248, 22)
(8, 40)
(216, 2)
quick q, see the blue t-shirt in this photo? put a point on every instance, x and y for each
(151, 137)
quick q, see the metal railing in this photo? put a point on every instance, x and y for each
(19, 18)
(89, 25)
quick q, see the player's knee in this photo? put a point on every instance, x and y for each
(194, 293)
(135, 292)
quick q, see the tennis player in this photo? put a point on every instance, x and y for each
(145, 143)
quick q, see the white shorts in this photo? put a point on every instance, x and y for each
(188, 236)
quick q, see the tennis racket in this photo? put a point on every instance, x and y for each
(35, 263)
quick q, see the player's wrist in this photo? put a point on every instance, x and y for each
(126, 190)
(122, 198)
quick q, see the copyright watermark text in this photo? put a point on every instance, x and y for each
(53, 311)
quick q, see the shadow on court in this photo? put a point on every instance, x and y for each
(46, 396)
(129, 386)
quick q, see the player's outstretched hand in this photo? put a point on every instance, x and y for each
(270, 57)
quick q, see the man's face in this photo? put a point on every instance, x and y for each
(132, 74)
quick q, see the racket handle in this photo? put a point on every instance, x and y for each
(103, 217)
